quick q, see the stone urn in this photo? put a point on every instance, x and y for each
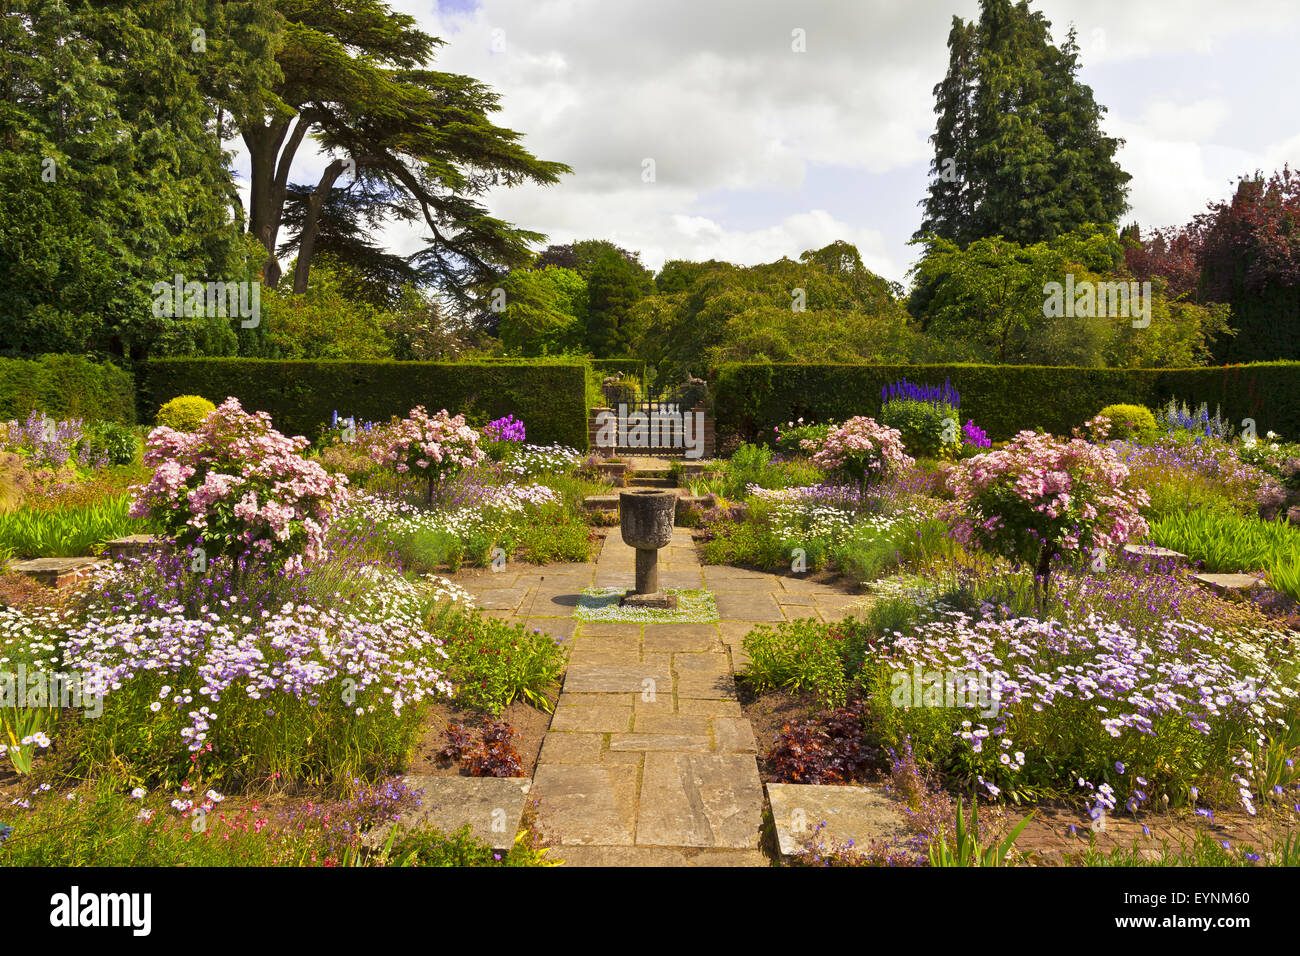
(646, 521)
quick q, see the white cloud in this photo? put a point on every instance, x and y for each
(713, 92)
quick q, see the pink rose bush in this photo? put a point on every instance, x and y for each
(861, 450)
(1042, 496)
(237, 482)
(437, 446)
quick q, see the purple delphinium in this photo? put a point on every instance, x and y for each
(975, 436)
(505, 429)
(943, 394)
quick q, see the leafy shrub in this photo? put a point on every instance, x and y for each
(1130, 422)
(789, 440)
(185, 413)
(1040, 497)
(435, 446)
(69, 531)
(558, 535)
(431, 847)
(492, 663)
(807, 657)
(487, 753)
(928, 429)
(117, 443)
(827, 748)
(861, 451)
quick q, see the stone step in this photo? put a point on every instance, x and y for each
(641, 481)
(1149, 552)
(57, 572)
(609, 503)
(862, 815)
(1231, 585)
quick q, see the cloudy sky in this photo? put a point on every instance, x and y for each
(760, 151)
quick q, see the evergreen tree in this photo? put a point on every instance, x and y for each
(1018, 148)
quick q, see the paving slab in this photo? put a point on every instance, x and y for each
(615, 679)
(681, 637)
(747, 606)
(591, 720)
(708, 800)
(586, 804)
(862, 815)
(675, 743)
(559, 747)
(696, 725)
(703, 675)
(492, 806)
(733, 735)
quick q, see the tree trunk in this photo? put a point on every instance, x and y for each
(307, 238)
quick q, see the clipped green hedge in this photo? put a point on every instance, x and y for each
(751, 398)
(301, 396)
(65, 386)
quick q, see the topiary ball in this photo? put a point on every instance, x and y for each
(185, 413)
(1130, 422)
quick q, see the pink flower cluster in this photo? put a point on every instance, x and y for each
(237, 481)
(435, 445)
(1040, 489)
(861, 449)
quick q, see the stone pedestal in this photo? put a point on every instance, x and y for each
(646, 522)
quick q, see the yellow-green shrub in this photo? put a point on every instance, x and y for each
(185, 413)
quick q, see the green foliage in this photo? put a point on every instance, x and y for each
(323, 322)
(493, 663)
(1284, 573)
(545, 311)
(430, 847)
(68, 531)
(749, 399)
(707, 313)
(185, 413)
(1228, 542)
(64, 387)
(359, 82)
(112, 177)
(558, 535)
(613, 288)
(966, 849)
(301, 396)
(870, 551)
(807, 657)
(118, 442)
(1130, 422)
(989, 301)
(922, 425)
(745, 544)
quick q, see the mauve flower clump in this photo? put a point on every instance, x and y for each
(237, 482)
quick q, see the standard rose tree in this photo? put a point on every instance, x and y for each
(861, 451)
(436, 446)
(1040, 497)
(236, 482)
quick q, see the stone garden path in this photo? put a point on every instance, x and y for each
(648, 760)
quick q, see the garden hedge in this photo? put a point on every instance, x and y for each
(65, 386)
(301, 396)
(751, 398)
